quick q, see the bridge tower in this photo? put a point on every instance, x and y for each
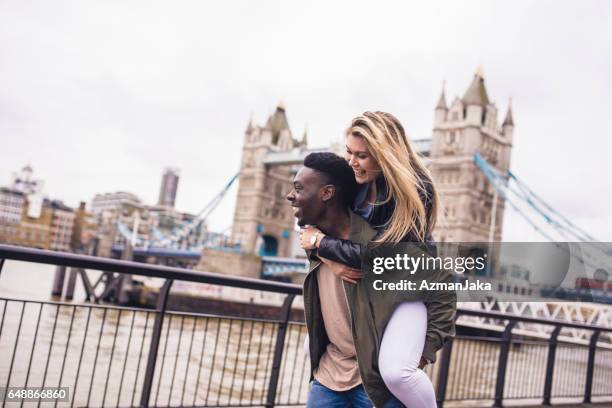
(471, 211)
(263, 220)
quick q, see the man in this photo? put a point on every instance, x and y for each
(321, 194)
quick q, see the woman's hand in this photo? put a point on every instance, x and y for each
(346, 273)
(306, 235)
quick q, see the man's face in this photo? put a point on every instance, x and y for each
(306, 197)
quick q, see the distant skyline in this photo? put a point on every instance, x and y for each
(101, 97)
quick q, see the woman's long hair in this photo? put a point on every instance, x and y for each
(404, 172)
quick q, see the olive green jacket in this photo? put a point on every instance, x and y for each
(370, 312)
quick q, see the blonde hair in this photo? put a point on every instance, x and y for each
(404, 172)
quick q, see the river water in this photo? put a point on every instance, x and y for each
(101, 353)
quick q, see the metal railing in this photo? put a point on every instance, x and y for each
(511, 367)
(126, 356)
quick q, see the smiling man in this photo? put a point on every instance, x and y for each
(335, 310)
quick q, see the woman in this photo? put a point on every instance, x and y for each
(397, 198)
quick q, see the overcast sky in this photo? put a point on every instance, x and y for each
(101, 96)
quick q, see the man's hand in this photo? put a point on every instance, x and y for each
(306, 234)
(346, 273)
(423, 362)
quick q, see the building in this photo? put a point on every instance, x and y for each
(112, 201)
(169, 187)
(62, 225)
(12, 205)
(29, 219)
(471, 211)
(52, 228)
(24, 182)
(34, 228)
(262, 219)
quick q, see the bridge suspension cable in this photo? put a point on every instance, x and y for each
(579, 232)
(569, 232)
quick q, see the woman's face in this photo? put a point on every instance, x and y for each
(359, 158)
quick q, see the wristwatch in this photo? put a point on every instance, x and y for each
(313, 239)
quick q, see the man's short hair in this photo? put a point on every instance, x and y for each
(337, 172)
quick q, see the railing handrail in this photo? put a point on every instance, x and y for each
(167, 272)
(136, 268)
(527, 319)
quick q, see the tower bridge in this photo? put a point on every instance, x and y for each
(467, 128)
(263, 223)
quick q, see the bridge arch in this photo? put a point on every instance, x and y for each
(269, 246)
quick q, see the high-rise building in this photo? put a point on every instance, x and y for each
(169, 187)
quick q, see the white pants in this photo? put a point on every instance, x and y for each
(400, 353)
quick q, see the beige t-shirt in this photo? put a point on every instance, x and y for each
(338, 369)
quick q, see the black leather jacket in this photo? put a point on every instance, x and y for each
(349, 252)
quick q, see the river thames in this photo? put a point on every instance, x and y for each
(102, 353)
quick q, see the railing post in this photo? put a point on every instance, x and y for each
(90, 294)
(285, 312)
(124, 286)
(588, 388)
(550, 365)
(58, 281)
(443, 373)
(162, 300)
(72, 278)
(504, 351)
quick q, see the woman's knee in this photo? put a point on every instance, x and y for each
(394, 374)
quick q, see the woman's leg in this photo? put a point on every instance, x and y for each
(400, 353)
